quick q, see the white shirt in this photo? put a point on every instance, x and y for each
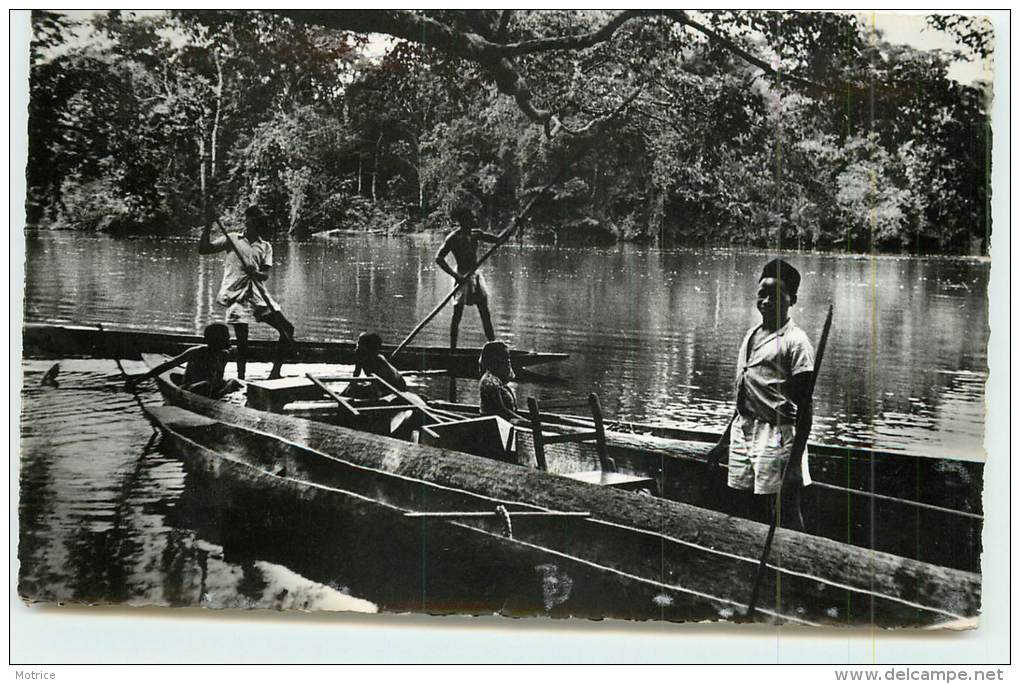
(237, 285)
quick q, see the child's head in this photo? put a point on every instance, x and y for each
(369, 346)
(777, 291)
(495, 358)
(462, 217)
(255, 222)
(217, 336)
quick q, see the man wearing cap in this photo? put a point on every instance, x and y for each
(774, 367)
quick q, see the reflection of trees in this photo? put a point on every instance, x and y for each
(638, 323)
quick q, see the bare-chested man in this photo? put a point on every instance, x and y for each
(463, 242)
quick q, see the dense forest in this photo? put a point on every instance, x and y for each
(792, 130)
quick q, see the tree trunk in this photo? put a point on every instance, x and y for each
(656, 209)
(421, 185)
(201, 167)
(375, 167)
(359, 174)
(216, 117)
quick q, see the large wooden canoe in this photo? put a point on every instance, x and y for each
(635, 556)
(43, 340)
(911, 505)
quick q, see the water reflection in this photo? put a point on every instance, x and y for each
(99, 517)
(654, 332)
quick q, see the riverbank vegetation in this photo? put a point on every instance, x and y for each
(791, 130)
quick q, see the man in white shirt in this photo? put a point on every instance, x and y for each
(245, 302)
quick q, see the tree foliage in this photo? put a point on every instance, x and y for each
(795, 130)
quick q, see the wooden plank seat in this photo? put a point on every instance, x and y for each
(391, 414)
(487, 436)
(273, 395)
(606, 475)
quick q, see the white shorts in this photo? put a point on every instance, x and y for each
(246, 311)
(758, 453)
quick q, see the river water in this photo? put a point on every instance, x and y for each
(654, 332)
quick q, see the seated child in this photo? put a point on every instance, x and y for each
(495, 396)
(205, 363)
(368, 358)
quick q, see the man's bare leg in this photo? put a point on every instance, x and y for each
(788, 502)
(280, 323)
(241, 336)
(483, 312)
(458, 313)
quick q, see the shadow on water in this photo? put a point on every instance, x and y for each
(99, 512)
(654, 332)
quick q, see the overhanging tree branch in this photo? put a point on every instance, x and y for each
(495, 57)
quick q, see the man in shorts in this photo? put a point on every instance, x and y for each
(774, 368)
(245, 302)
(463, 242)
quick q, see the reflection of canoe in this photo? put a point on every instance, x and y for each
(66, 341)
(633, 556)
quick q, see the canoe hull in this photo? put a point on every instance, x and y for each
(405, 564)
(679, 553)
(842, 504)
(71, 341)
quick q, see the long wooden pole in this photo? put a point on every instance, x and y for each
(255, 282)
(133, 388)
(796, 453)
(503, 237)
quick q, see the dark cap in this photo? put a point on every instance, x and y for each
(784, 272)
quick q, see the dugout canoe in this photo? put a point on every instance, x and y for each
(634, 556)
(917, 507)
(44, 340)
(910, 505)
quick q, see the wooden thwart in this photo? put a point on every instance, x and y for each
(345, 405)
(606, 476)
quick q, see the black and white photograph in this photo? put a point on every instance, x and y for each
(661, 316)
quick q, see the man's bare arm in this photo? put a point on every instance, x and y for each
(209, 245)
(165, 366)
(798, 388)
(485, 237)
(441, 260)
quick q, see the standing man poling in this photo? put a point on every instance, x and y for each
(244, 269)
(463, 242)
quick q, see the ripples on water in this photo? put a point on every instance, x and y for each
(107, 517)
(654, 332)
(100, 510)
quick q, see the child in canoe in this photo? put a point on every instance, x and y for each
(368, 358)
(773, 385)
(495, 396)
(203, 373)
